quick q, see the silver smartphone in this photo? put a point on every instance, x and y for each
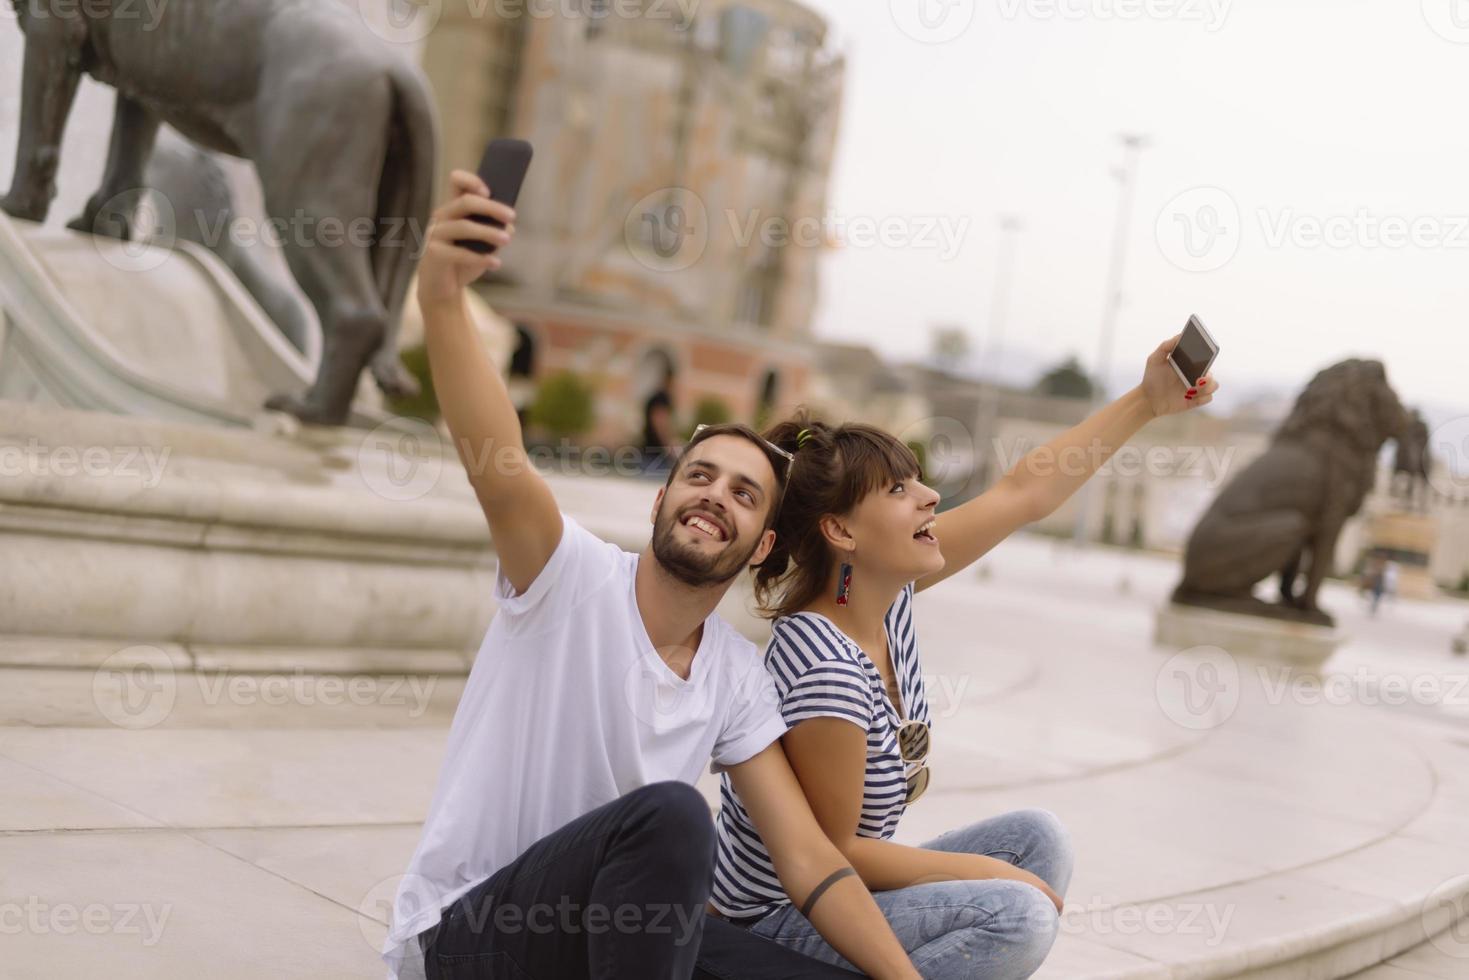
(1194, 354)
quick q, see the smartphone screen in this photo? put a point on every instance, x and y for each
(1193, 353)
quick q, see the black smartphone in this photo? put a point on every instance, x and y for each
(1194, 354)
(503, 169)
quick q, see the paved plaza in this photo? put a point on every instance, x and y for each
(1229, 819)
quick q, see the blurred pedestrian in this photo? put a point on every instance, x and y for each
(1376, 580)
(660, 438)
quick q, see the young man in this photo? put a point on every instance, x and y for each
(565, 839)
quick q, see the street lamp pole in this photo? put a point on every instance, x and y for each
(1132, 145)
(999, 312)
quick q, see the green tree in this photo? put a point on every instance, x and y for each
(565, 405)
(424, 405)
(1065, 380)
(948, 345)
(921, 451)
(710, 410)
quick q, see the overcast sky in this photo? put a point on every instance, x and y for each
(1330, 137)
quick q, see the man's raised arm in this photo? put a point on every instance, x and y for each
(524, 520)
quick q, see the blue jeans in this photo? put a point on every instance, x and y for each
(991, 929)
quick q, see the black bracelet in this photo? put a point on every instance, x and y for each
(820, 890)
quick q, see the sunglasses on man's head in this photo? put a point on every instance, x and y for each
(787, 456)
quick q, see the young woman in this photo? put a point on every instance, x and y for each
(856, 537)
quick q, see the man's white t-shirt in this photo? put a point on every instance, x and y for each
(568, 706)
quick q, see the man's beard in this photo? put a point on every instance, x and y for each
(688, 563)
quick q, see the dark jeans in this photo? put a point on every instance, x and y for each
(616, 894)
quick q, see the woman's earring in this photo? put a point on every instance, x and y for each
(844, 584)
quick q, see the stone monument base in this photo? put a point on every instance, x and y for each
(233, 549)
(1303, 645)
(220, 549)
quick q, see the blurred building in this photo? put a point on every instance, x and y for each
(853, 383)
(672, 162)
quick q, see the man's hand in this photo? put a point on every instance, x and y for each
(446, 268)
(1160, 387)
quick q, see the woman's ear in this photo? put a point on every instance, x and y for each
(835, 531)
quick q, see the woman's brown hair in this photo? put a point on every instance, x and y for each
(833, 469)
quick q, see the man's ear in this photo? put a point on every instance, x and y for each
(762, 551)
(657, 503)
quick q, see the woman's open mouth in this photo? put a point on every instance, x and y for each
(925, 534)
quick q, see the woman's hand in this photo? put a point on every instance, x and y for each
(1160, 387)
(446, 268)
(1038, 882)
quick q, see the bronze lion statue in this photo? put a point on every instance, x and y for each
(339, 125)
(1284, 512)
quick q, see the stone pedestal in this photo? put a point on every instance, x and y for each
(325, 549)
(332, 550)
(1302, 645)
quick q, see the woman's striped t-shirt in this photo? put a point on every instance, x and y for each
(820, 673)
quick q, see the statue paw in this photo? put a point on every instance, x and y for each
(108, 223)
(393, 379)
(22, 208)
